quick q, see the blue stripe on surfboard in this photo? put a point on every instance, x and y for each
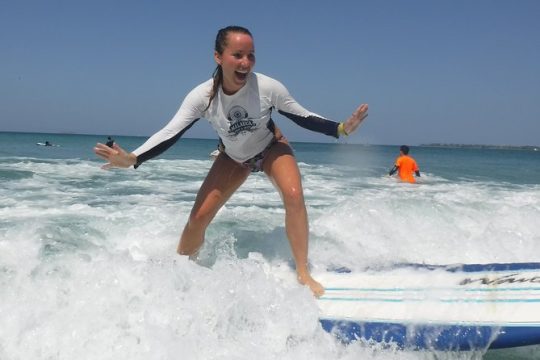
(423, 300)
(412, 322)
(496, 267)
(431, 289)
(452, 268)
(434, 336)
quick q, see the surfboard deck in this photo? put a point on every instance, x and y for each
(454, 307)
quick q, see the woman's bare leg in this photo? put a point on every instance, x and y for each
(223, 179)
(281, 167)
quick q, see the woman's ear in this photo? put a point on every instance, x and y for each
(217, 57)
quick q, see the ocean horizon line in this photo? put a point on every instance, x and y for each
(184, 137)
(427, 144)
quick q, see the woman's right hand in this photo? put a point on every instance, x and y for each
(356, 119)
(115, 155)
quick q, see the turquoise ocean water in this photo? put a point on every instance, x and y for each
(88, 268)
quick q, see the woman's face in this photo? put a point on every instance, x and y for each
(237, 61)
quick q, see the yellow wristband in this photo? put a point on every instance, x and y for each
(341, 130)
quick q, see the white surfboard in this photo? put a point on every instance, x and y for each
(458, 307)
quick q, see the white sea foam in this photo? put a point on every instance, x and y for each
(88, 268)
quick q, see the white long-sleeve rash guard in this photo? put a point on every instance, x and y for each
(242, 120)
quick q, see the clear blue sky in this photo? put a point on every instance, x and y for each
(455, 71)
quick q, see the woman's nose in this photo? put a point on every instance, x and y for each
(247, 61)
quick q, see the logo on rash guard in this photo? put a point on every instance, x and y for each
(240, 122)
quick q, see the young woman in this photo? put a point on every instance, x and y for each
(238, 103)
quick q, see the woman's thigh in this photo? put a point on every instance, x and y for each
(223, 179)
(281, 167)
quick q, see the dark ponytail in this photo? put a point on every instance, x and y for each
(219, 45)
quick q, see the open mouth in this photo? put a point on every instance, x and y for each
(241, 75)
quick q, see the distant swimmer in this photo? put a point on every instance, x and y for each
(110, 142)
(405, 165)
(46, 143)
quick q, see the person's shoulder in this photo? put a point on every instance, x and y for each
(264, 78)
(268, 83)
(411, 159)
(204, 86)
(202, 90)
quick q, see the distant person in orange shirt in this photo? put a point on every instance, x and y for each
(405, 165)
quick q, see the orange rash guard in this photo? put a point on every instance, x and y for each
(407, 167)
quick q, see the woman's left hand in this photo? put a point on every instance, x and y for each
(356, 119)
(115, 155)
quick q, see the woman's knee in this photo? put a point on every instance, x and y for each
(293, 197)
(200, 219)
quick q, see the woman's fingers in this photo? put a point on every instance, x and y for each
(356, 118)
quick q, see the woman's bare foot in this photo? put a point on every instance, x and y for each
(316, 288)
